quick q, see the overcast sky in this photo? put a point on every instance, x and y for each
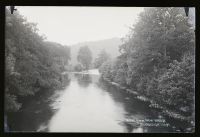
(70, 25)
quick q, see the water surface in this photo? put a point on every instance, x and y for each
(89, 104)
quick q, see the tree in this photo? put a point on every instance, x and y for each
(32, 65)
(157, 59)
(177, 83)
(160, 36)
(59, 54)
(102, 57)
(106, 69)
(85, 57)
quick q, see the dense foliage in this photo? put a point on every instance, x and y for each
(85, 57)
(32, 64)
(78, 67)
(102, 57)
(157, 59)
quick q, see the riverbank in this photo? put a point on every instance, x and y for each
(152, 104)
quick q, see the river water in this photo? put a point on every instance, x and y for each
(89, 104)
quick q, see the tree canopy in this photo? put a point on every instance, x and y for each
(157, 59)
(102, 57)
(85, 57)
(30, 61)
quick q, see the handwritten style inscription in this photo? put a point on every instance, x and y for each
(149, 122)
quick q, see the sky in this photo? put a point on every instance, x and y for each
(70, 25)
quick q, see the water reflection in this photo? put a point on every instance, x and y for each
(134, 110)
(34, 112)
(86, 109)
(131, 129)
(83, 79)
(65, 80)
(85, 104)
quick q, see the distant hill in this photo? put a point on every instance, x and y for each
(111, 46)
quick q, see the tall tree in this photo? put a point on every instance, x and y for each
(85, 57)
(160, 36)
(30, 64)
(157, 59)
(102, 57)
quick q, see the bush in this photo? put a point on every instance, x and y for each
(11, 103)
(177, 83)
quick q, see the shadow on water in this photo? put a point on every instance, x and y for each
(84, 80)
(87, 103)
(35, 112)
(65, 80)
(139, 110)
(133, 108)
(29, 118)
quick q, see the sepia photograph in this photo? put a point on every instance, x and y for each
(99, 69)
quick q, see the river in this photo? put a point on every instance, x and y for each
(89, 104)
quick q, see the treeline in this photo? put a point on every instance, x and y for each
(85, 59)
(157, 59)
(31, 64)
(102, 57)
